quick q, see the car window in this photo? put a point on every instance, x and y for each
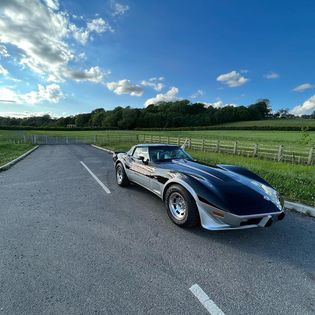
(141, 151)
(166, 153)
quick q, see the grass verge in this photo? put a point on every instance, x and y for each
(10, 151)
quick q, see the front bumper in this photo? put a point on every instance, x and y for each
(215, 219)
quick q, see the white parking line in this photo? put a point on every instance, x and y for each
(95, 177)
(204, 299)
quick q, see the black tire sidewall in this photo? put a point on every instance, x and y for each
(191, 215)
(125, 180)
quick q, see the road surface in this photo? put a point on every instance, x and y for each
(68, 246)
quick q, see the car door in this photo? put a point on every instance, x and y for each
(139, 171)
(159, 174)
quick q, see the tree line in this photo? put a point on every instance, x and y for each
(175, 114)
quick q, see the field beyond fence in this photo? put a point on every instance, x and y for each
(276, 152)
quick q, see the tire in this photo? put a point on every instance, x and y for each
(181, 206)
(121, 176)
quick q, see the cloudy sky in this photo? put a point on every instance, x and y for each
(69, 56)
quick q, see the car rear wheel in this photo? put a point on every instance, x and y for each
(121, 176)
(181, 206)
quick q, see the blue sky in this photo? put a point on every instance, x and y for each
(65, 57)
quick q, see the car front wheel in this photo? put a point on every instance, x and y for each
(181, 206)
(121, 176)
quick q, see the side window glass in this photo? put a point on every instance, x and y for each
(141, 152)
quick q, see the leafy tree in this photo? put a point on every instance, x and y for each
(82, 120)
(180, 113)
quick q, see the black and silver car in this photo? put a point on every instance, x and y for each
(219, 197)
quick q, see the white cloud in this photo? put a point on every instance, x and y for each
(3, 71)
(306, 108)
(303, 87)
(155, 83)
(41, 33)
(82, 34)
(232, 79)
(26, 114)
(157, 86)
(197, 94)
(52, 4)
(125, 87)
(7, 95)
(38, 32)
(4, 51)
(272, 76)
(156, 79)
(94, 74)
(119, 9)
(219, 104)
(81, 56)
(51, 93)
(169, 96)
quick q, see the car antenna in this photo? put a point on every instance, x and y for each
(184, 145)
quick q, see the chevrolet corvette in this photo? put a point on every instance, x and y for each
(219, 197)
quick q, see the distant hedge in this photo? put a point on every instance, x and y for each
(276, 128)
(53, 128)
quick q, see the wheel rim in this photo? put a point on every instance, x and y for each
(119, 175)
(177, 206)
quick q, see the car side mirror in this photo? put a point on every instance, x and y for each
(143, 159)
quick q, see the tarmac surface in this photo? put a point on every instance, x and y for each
(67, 246)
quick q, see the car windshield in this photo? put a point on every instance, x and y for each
(166, 153)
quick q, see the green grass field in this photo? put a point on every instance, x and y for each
(287, 138)
(299, 122)
(10, 151)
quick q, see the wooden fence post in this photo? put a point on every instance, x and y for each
(218, 146)
(255, 150)
(280, 152)
(310, 156)
(203, 145)
(168, 140)
(235, 148)
(178, 141)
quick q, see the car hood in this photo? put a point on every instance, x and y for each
(228, 189)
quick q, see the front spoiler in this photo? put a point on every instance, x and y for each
(210, 220)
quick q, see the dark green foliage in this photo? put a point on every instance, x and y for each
(175, 114)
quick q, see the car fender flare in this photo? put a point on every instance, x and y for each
(182, 183)
(122, 163)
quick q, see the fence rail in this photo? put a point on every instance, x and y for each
(279, 153)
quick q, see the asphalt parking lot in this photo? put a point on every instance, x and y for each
(68, 246)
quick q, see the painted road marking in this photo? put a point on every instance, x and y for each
(204, 299)
(96, 178)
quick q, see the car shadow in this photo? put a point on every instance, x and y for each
(291, 240)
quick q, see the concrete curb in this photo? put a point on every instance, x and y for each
(21, 157)
(307, 210)
(100, 148)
